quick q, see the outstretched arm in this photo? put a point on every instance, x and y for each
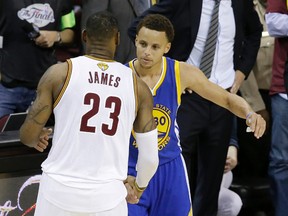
(194, 79)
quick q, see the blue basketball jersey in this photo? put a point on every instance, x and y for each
(167, 96)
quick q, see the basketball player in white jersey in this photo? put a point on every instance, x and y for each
(96, 102)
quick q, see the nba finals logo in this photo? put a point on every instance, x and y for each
(38, 14)
(163, 122)
(102, 66)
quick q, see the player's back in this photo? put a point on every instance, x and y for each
(94, 115)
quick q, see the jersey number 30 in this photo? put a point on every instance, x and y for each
(94, 99)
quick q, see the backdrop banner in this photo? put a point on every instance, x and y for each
(18, 195)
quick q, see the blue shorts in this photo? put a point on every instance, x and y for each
(167, 193)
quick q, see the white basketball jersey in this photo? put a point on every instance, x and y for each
(94, 116)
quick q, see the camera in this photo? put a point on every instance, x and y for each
(31, 30)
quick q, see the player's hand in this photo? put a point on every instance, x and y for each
(131, 195)
(46, 39)
(43, 139)
(256, 124)
(265, 114)
(131, 181)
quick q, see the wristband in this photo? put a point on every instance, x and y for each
(249, 114)
(140, 189)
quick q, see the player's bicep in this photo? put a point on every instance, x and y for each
(191, 77)
(194, 79)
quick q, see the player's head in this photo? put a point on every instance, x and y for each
(153, 39)
(159, 23)
(101, 29)
(101, 26)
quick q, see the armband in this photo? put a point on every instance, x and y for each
(249, 114)
(148, 159)
(68, 20)
(140, 189)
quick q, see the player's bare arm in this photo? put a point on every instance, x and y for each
(144, 120)
(192, 78)
(32, 132)
(146, 139)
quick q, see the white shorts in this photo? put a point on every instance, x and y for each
(45, 208)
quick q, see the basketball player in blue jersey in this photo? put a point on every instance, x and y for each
(168, 191)
(96, 102)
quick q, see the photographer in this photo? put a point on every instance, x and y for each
(30, 30)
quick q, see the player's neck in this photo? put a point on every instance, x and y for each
(102, 52)
(154, 71)
(150, 75)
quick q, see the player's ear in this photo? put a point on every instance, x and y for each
(136, 39)
(167, 48)
(84, 35)
(117, 38)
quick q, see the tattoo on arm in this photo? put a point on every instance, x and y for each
(35, 112)
(150, 125)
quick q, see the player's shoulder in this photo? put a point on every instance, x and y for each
(55, 74)
(59, 68)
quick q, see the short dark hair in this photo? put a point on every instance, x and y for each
(157, 22)
(101, 26)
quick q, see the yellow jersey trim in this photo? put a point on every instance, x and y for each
(66, 82)
(135, 92)
(153, 2)
(178, 81)
(162, 77)
(132, 66)
(190, 212)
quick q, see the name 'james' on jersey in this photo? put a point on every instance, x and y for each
(96, 111)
